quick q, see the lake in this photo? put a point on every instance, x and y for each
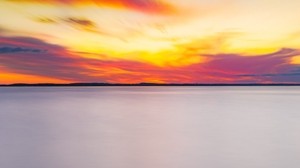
(150, 127)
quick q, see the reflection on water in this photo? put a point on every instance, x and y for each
(150, 127)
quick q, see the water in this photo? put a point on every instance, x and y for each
(150, 127)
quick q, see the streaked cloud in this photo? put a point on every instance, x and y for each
(45, 20)
(5, 50)
(149, 6)
(75, 22)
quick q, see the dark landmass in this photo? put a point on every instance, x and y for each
(144, 84)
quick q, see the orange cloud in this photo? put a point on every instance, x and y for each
(148, 6)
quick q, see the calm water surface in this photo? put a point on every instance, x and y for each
(150, 127)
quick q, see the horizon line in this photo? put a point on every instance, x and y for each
(148, 84)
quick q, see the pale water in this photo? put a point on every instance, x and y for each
(150, 127)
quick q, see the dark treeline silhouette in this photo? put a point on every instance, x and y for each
(148, 84)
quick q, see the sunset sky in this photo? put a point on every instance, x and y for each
(161, 41)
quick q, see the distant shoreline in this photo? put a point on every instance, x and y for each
(140, 84)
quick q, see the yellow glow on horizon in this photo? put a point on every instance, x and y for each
(8, 77)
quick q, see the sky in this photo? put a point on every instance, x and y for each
(158, 41)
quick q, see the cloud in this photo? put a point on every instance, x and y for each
(147, 6)
(56, 62)
(31, 56)
(79, 23)
(46, 20)
(59, 63)
(4, 50)
(82, 24)
(275, 62)
(271, 75)
(249, 68)
(25, 42)
(287, 77)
